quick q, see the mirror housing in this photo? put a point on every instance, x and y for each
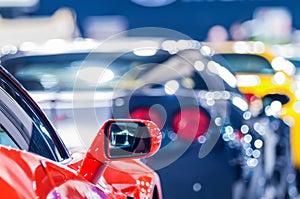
(120, 139)
(127, 139)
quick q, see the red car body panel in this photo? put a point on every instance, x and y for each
(26, 175)
(129, 177)
(34, 176)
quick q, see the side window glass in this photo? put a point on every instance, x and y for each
(15, 121)
(20, 128)
(6, 140)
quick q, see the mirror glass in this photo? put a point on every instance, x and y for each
(127, 139)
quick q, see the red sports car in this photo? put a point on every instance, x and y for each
(34, 162)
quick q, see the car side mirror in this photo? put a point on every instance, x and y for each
(120, 139)
(127, 139)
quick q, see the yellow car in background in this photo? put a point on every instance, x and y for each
(260, 73)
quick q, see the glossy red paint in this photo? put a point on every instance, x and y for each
(133, 178)
(122, 177)
(122, 173)
(34, 176)
(26, 175)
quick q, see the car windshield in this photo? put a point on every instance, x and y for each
(108, 71)
(245, 63)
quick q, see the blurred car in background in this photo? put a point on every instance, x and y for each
(260, 73)
(291, 53)
(208, 132)
(36, 163)
(166, 93)
(43, 71)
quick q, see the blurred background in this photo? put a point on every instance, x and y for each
(199, 19)
(258, 153)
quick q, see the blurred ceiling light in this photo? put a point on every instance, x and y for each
(274, 108)
(258, 143)
(84, 44)
(258, 127)
(296, 83)
(247, 138)
(240, 47)
(288, 50)
(145, 52)
(27, 46)
(223, 72)
(9, 49)
(247, 80)
(227, 76)
(195, 44)
(282, 64)
(240, 103)
(18, 3)
(95, 75)
(249, 47)
(278, 50)
(290, 68)
(289, 120)
(297, 107)
(244, 129)
(212, 67)
(183, 44)
(276, 105)
(146, 44)
(170, 46)
(297, 94)
(279, 78)
(187, 44)
(173, 46)
(199, 66)
(278, 63)
(188, 83)
(206, 50)
(55, 45)
(258, 47)
(217, 95)
(247, 115)
(171, 87)
(50, 46)
(252, 162)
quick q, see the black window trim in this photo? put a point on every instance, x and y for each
(7, 78)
